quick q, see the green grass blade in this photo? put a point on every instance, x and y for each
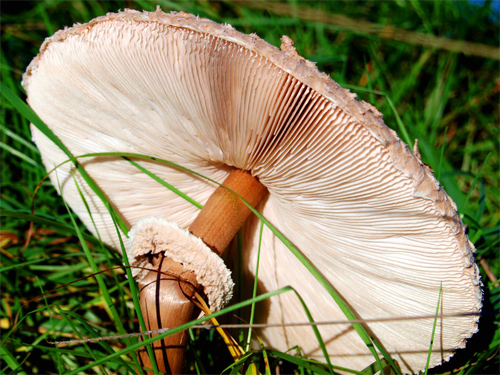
(387, 358)
(254, 294)
(198, 364)
(316, 333)
(19, 139)
(164, 183)
(45, 18)
(463, 208)
(19, 154)
(235, 367)
(441, 156)
(266, 361)
(77, 332)
(312, 366)
(433, 330)
(11, 361)
(372, 368)
(45, 300)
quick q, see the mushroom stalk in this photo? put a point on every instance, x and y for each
(224, 213)
(165, 296)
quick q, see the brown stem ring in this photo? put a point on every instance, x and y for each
(166, 300)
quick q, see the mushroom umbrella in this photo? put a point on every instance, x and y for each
(342, 186)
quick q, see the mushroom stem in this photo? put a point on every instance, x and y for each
(165, 297)
(224, 213)
(165, 303)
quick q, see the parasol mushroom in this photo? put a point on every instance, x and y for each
(342, 186)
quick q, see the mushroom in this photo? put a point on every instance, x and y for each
(342, 186)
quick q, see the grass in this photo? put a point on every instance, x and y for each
(446, 100)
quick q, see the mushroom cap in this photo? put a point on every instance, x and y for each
(342, 186)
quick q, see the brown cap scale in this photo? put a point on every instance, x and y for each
(342, 186)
